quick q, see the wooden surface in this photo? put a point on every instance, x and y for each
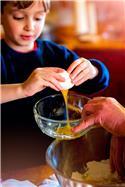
(35, 175)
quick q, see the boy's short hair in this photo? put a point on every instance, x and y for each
(24, 4)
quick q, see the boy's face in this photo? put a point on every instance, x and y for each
(23, 26)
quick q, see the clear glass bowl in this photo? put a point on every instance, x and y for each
(50, 115)
(66, 157)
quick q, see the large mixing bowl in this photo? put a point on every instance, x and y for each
(66, 157)
(51, 117)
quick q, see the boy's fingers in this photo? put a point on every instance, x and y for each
(58, 70)
(81, 68)
(80, 81)
(81, 78)
(51, 85)
(73, 65)
(59, 78)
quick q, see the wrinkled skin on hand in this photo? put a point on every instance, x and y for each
(117, 156)
(105, 111)
(110, 114)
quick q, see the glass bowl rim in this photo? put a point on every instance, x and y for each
(52, 120)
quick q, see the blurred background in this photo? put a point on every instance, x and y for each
(85, 21)
(93, 29)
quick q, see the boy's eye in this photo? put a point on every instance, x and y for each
(38, 19)
(18, 18)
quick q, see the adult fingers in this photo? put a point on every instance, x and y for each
(97, 100)
(92, 107)
(89, 121)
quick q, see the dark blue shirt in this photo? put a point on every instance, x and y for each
(16, 68)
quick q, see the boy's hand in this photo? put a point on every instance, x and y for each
(41, 78)
(117, 155)
(82, 70)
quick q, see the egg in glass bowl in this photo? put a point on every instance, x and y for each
(51, 115)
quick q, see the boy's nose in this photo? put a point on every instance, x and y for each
(29, 25)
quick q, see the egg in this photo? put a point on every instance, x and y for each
(67, 84)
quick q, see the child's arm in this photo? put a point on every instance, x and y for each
(10, 92)
(39, 79)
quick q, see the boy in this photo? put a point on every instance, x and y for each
(29, 65)
(23, 22)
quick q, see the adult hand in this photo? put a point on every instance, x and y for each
(107, 112)
(117, 155)
(41, 78)
(81, 70)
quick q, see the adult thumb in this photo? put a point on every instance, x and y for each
(89, 121)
